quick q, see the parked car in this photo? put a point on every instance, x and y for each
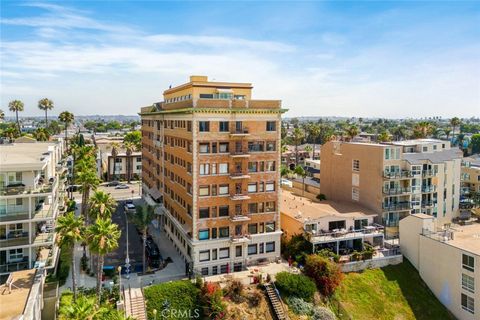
(129, 207)
(122, 186)
(286, 182)
(113, 183)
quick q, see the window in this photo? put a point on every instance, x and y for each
(223, 268)
(468, 262)
(204, 191)
(214, 270)
(252, 208)
(204, 169)
(270, 166)
(15, 255)
(356, 165)
(223, 189)
(214, 254)
(203, 126)
(204, 148)
(270, 246)
(223, 147)
(238, 251)
(468, 283)
(468, 303)
(204, 213)
(260, 249)
(223, 126)
(270, 206)
(270, 186)
(270, 146)
(224, 253)
(203, 234)
(224, 232)
(223, 168)
(206, 96)
(271, 126)
(252, 187)
(252, 167)
(223, 211)
(270, 227)
(252, 228)
(355, 194)
(252, 249)
(204, 255)
(214, 233)
(255, 146)
(204, 271)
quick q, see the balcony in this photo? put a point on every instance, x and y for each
(239, 175)
(239, 238)
(15, 266)
(239, 218)
(13, 215)
(239, 132)
(399, 206)
(239, 154)
(403, 174)
(14, 239)
(429, 173)
(239, 196)
(428, 204)
(428, 189)
(44, 213)
(43, 238)
(343, 234)
(20, 188)
(399, 190)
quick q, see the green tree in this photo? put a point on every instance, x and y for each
(314, 132)
(352, 132)
(66, 118)
(129, 146)
(88, 180)
(142, 218)
(326, 274)
(384, 136)
(101, 205)
(2, 115)
(103, 238)
(475, 143)
(423, 129)
(115, 148)
(308, 149)
(54, 127)
(284, 171)
(16, 106)
(135, 138)
(454, 123)
(41, 134)
(45, 104)
(297, 136)
(11, 132)
(70, 230)
(302, 173)
(399, 132)
(83, 309)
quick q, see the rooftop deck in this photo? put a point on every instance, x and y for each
(13, 304)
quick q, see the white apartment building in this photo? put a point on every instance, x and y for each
(448, 260)
(394, 179)
(30, 193)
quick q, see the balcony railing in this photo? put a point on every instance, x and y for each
(239, 175)
(47, 237)
(430, 188)
(239, 218)
(239, 153)
(4, 217)
(15, 266)
(399, 190)
(239, 196)
(397, 174)
(240, 132)
(240, 238)
(428, 204)
(391, 223)
(429, 173)
(46, 212)
(14, 239)
(20, 188)
(399, 206)
(342, 234)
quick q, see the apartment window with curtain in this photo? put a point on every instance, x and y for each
(203, 234)
(223, 126)
(468, 283)
(204, 126)
(468, 303)
(468, 262)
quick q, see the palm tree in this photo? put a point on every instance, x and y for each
(308, 149)
(315, 131)
(384, 136)
(301, 172)
(41, 134)
(67, 118)
(11, 132)
(102, 205)
(88, 180)
(2, 115)
(103, 238)
(70, 231)
(399, 132)
(352, 132)
(16, 106)
(423, 129)
(115, 147)
(454, 122)
(45, 104)
(297, 136)
(129, 147)
(447, 132)
(142, 218)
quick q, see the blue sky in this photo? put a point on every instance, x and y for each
(357, 58)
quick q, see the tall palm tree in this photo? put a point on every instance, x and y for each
(45, 104)
(142, 218)
(351, 132)
(2, 115)
(384, 136)
(102, 205)
(447, 132)
(83, 309)
(88, 180)
(297, 136)
(67, 118)
(308, 149)
(16, 106)
(103, 238)
(454, 122)
(315, 131)
(302, 173)
(115, 148)
(399, 132)
(423, 129)
(70, 230)
(11, 132)
(129, 147)
(41, 134)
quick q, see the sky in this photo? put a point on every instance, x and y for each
(340, 58)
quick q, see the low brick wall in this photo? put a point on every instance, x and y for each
(356, 266)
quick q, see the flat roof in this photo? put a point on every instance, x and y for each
(467, 238)
(13, 304)
(16, 156)
(416, 142)
(301, 208)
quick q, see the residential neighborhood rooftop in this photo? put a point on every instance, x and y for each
(13, 303)
(17, 155)
(302, 208)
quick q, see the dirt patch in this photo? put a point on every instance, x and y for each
(244, 311)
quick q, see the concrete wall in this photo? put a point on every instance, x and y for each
(410, 230)
(357, 266)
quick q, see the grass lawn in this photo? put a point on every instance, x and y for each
(394, 292)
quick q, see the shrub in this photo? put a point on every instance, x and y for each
(234, 291)
(254, 298)
(299, 306)
(326, 274)
(179, 295)
(321, 313)
(296, 247)
(211, 298)
(321, 197)
(329, 254)
(296, 285)
(367, 252)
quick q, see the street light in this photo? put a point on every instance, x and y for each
(120, 282)
(127, 259)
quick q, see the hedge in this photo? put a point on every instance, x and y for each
(295, 285)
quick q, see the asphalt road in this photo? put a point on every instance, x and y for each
(117, 194)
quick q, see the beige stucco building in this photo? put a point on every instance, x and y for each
(471, 175)
(212, 154)
(448, 260)
(394, 179)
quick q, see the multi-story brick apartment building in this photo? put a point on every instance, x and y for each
(30, 197)
(394, 179)
(213, 154)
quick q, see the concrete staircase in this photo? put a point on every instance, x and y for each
(276, 302)
(135, 303)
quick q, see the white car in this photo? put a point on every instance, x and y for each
(129, 207)
(286, 182)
